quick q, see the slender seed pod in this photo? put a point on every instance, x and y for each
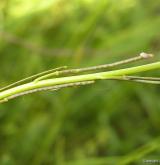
(148, 80)
(32, 77)
(52, 88)
(94, 68)
(45, 82)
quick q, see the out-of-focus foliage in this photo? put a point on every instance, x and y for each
(106, 123)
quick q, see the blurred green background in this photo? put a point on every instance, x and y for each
(108, 123)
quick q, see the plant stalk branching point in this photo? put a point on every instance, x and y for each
(62, 77)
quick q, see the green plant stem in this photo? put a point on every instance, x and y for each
(149, 80)
(78, 78)
(61, 71)
(33, 77)
(142, 56)
(50, 88)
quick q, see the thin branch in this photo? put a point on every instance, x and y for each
(95, 68)
(142, 78)
(62, 70)
(147, 80)
(119, 74)
(51, 88)
(32, 77)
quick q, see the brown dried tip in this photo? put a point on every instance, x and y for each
(146, 55)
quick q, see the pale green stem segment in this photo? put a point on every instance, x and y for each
(62, 70)
(33, 77)
(95, 68)
(147, 80)
(50, 88)
(142, 78)
(78, 78)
